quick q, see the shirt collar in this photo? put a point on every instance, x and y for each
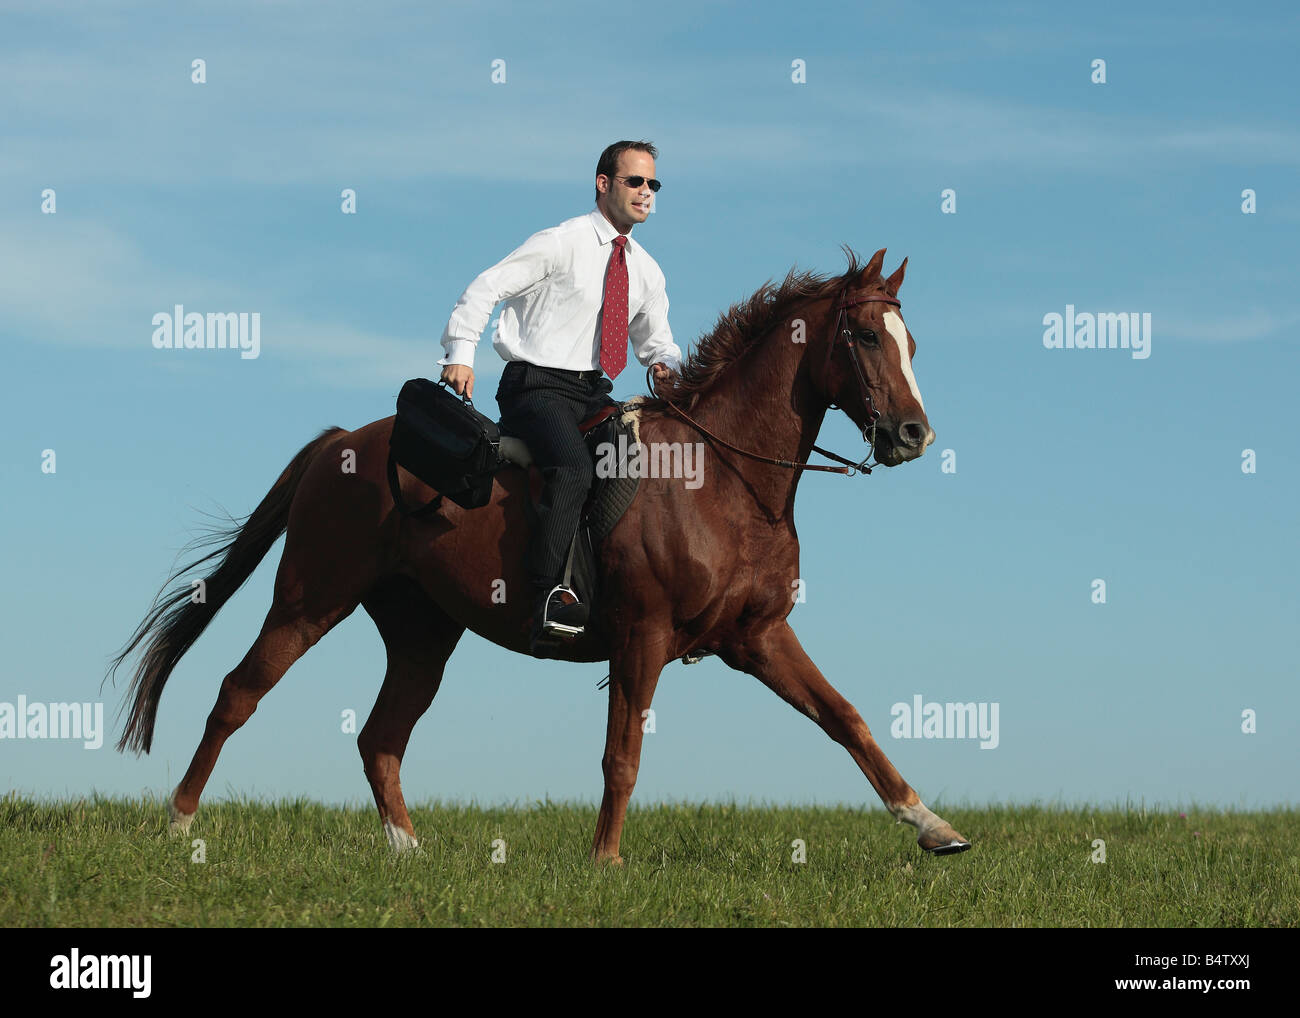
(605, 231)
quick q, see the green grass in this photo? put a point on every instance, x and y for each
(110, 862)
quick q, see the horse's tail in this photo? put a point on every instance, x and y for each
(175, 621)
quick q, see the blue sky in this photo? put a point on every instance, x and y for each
(974, 586)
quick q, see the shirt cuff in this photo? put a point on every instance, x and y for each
(459, 351)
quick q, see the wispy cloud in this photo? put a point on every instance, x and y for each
(965, 129)
(80, 284)
(290, 104)
(1248, 325)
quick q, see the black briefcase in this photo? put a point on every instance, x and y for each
(440, 438)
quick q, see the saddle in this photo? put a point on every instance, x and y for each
(609, 496)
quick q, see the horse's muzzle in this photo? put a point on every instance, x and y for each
(897, 442)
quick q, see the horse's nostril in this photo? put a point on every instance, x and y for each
(912, 433)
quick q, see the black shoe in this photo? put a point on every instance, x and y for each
(558, 618)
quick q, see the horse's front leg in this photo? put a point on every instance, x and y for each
(634, 669)
(775, 657)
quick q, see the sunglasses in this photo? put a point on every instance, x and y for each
(638, 181)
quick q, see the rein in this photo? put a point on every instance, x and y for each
(838, 332)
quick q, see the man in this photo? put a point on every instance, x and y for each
(574, 295)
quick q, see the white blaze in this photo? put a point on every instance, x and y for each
(899, 331)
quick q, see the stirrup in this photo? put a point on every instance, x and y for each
(554, 628)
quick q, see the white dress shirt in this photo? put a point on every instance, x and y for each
(553, 287)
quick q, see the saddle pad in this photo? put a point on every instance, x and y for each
(610, 496)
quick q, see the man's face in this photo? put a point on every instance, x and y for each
(626, 206)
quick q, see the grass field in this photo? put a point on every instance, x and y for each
(110, 862)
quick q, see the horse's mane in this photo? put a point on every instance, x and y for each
(743, 324)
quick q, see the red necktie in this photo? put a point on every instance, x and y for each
(613, 316)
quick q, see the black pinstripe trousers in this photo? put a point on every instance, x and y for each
(544, 407)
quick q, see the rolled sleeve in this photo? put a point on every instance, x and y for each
(517, 273)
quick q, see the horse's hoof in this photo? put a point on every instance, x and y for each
(608, 860)
(952, 848)
(180, 822)
(941, 839)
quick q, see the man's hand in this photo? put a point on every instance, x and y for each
(460, 377)
(660, 373)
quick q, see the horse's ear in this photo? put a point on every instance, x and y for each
(872, 272)
(896, 280)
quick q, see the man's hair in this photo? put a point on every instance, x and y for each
(608, 163)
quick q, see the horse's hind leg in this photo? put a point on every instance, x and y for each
(289, 631)
(419, 637)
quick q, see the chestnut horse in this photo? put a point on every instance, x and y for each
(687, 570)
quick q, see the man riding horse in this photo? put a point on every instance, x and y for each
(574, 295)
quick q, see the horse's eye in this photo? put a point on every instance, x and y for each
(869, 337)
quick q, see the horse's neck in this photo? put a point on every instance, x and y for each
(765, 403)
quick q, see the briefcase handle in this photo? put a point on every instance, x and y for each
(465, 398)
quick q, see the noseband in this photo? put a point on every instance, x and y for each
(839, 333)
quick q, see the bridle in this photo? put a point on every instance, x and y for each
(840, 332)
